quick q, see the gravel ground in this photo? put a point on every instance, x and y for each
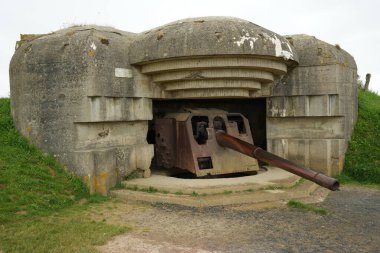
(351, 225)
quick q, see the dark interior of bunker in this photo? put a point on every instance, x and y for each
(253, 109)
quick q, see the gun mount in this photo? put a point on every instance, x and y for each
(213, 142)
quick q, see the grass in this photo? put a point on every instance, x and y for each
(31, 182)
(362, 164)
(150, 189)
(135, 174)
(195, 194)
(33, 189)
(67, 231)
(306, 207)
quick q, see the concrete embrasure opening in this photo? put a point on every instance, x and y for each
(178, 186)
(253, 109)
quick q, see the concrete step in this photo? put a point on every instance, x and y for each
(221, 192)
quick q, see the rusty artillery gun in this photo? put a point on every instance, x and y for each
(214, 142)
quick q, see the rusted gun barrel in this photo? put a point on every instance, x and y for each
(228, 141)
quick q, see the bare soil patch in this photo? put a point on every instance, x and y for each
(352, 224)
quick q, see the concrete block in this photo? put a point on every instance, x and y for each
(319, 105)
(278, 147)
(104, 109)
(298, 151)
(323, 155)
(110, 134)
(300, 106)
(144, 154)
(97, 168)
(102, 168)
(305, 128)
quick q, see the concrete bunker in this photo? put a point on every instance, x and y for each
(87, 94)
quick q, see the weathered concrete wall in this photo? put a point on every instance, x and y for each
(85, 93)
(208, 36)
(216, 57)
(73, 95)
(312, 111)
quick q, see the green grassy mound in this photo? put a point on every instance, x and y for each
(363, 155)
(42, 207)
(31, 183)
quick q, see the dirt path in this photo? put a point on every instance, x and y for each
(351, 225)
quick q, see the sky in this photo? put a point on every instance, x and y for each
(352, 24)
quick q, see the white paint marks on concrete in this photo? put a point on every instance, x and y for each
(246, 37)
(123, 72)
(280, 52)
(93, 46)
(274, 111)
(290, 48)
